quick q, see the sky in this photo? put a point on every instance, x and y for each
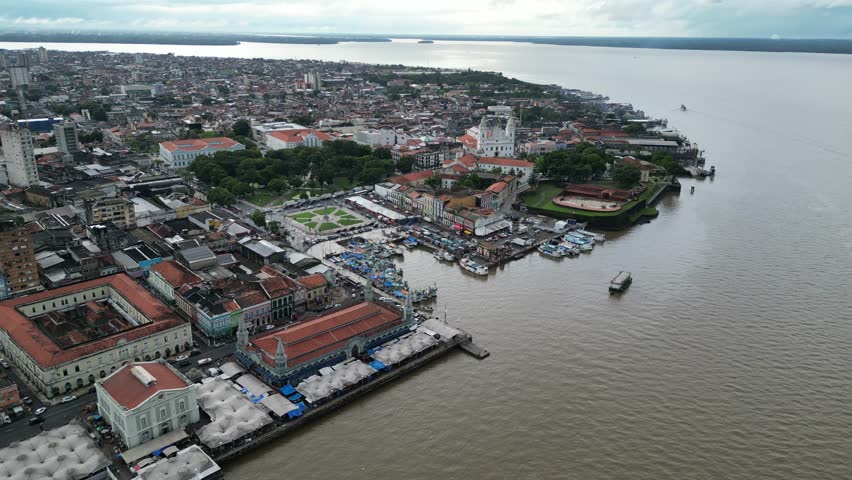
(692, 18)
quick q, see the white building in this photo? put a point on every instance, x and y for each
(307, 137)
(180, 153)
(107, 322)
(376, 138)
(261, 131)
(142, 401)
(18, 161)
(495, 135)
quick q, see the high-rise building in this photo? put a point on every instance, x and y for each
(314, 80)
(66, 139)
(42, 55)
(18, 157)
(18, 265)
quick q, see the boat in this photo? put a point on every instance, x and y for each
(569, 249)
(550, 251)
(597, 237)
(444, 256)
(410, 242)
(582, 244)
(620, 282)
(682, 107)
(473, 267)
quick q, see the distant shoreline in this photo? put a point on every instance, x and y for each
(833, 46)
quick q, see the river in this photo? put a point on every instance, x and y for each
(729, 357)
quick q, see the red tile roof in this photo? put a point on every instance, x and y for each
(325, 334)
(175, 274)
(129, 392)
(199, 144)
(412, 177)
(47, 353)
(468, 141)
(497, 187)
(311, 282)
(298, 136)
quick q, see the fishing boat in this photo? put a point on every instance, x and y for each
(410, 242)
(582, 244)
(473, 267)
(444, 256)
(569, 249)
(550, 251)
(620, 282)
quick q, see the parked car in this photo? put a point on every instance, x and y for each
(40, 410)
(4, 363)
(36, 420)
(181, 358)
(69, 398)
(204, 361)
(194, 352)
(27, 400)
(184, 363)
(269, 327)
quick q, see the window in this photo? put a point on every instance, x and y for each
(181, 406)
(76, 368)
(144, 422)
(162, 414)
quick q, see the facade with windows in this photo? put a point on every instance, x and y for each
(142, 401)
(66, 339)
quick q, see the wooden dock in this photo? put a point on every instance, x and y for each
(471, 348)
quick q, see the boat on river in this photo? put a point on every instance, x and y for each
(444, 256)
(473, 267)
(620, 282)
(597, 237)
(551, 251)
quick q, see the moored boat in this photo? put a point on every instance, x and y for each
(550, 251)
(473, 267)
(444, 256)
(620, 282)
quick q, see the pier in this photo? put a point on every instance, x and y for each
(473, 349)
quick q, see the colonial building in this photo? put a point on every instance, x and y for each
(293, 354)
(316, 287)
(65, 339)
(307, 137)
(181, 153)
(168, 276)
(142, 401)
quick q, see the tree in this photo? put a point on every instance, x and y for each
(221, 196)
(274, 226)
(634, 129)
(625, 176)
(405, 164)
(241, 128)
(258, 217)
(278, 185)
(434, 181)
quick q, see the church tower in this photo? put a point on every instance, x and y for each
(242, 335)
(280, 356)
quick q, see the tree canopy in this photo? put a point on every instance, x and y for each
(578, 165)
(241, 128)
(625, 176)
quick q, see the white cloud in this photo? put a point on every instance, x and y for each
(47, 21)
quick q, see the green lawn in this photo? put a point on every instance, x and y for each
(343, 213)
(325, 211)
(311, 225)
(261, 198)
(543, 196)
(327, 226)
(347, 222)
(303, 215)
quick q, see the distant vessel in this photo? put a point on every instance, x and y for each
(425, 41)
(620, 282)
(682, 107)
(473, 267)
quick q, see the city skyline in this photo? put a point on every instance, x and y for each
(690, 18)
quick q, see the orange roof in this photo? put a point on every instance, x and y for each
(175, 274)
(298, 136)
(497, 187)
(129, 392)
(192, 145)
(468, 141)
(411, 177)
(311, 282)
(325, 334)
(506, 162)
(47, 353)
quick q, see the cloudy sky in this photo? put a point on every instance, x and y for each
(749, 18)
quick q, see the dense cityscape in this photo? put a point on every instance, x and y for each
(198, 255)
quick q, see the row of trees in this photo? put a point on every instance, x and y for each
(578, 165)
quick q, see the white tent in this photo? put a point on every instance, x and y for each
(232, 415)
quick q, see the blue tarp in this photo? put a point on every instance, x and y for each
(295, 397)
(157, 453)
(287, 389)
(377, 365)
(302, 406)
(294, 413)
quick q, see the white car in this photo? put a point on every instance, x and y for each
(205, 361)
(181, 358)
(69, 398)
(270, 327)
(40, 410)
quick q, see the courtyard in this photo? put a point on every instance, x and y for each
(325, 219)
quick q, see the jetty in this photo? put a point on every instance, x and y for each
(473, 349)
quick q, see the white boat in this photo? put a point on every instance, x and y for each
(550, 251)
(598, 237)
(473, 267)
(444, 256)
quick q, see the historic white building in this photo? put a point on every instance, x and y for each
(180, 153)
(495, 135)
(142, 401)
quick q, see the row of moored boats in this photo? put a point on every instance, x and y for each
(571, 244)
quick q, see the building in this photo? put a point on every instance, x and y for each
(9, 395)
(314, 81)
(64, 452)
(166, 277)
(18, 162)
(196, 258)
(293, 354)
(181, 153)
(143, 400)
(286, 139)
(67, 141)
(191, 463)
(520, 169)
(281, 290)
(495, 135)
(376, 138)
(117, 210)
(261, 131)
(18, 268)
(65, 339)
(316, 288)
